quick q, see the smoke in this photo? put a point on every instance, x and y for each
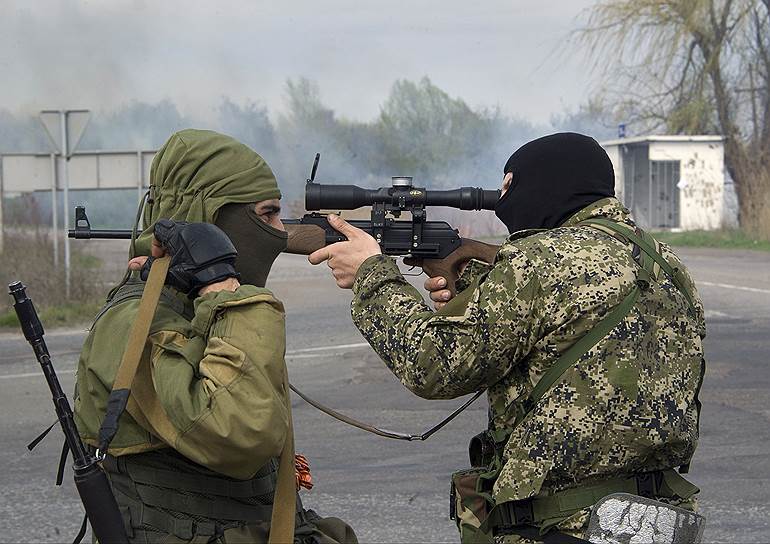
(421, 131)
(100, 55)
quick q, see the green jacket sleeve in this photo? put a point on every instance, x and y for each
(469, 344)
(229, 405)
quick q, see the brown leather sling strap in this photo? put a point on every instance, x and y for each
(285, 499)
(144, 402)
(124, 378)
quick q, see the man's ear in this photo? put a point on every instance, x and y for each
(507, 179)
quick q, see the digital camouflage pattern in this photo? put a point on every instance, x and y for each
(628, 405)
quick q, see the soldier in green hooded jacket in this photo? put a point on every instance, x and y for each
(199, 462)
(622, 412)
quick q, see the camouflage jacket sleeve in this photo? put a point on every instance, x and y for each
(469, 344)
(473, 271)
(223, 388)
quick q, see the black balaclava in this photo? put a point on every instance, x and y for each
(258, 243)
(553, 178)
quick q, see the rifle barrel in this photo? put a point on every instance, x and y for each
(87, 234)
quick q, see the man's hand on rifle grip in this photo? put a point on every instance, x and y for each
(438, 292)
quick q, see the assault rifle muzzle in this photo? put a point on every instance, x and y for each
(401, 196)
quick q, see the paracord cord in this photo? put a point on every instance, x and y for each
(384, 432)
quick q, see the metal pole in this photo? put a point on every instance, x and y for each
(66, 180)
(2, 226)
(649, 192)
(54, 212)
(139, 176)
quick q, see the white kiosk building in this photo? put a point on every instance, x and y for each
(671, 182)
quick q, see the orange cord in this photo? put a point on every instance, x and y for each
(302, 471)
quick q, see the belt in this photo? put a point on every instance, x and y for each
(186, 529)
(562, 504)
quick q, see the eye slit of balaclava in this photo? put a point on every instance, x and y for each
(258, 243)
(553, 178)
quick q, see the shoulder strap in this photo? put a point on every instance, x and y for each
(285, 500)
(647, 244)
(580, 348)
(121, 387)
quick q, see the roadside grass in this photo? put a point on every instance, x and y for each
(27, 256)
(72, 314)
(724, 239)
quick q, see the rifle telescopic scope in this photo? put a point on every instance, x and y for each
(400, 196)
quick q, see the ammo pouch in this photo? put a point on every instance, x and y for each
(470, 503)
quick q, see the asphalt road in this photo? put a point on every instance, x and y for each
(394, 491)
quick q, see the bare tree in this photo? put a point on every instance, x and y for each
(694, 66)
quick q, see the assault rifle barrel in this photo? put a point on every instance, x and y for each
(83, 234)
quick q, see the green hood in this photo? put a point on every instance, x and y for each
(195, 173)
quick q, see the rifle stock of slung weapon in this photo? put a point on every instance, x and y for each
(434, 246)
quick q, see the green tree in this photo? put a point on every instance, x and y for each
(591, 118)
(306, 127)
(424, 132)
(695, 66)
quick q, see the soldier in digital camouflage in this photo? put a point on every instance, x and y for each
(578, 289)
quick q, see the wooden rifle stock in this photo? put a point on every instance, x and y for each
(304, 239)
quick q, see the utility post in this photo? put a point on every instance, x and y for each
(2, 196)
(71, 123)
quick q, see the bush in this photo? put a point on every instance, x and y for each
(726, 238)
(28, 256)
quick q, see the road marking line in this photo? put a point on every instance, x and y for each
(730, 286)
(295, 353)
(30, 374)
(60, 354)
(327, 348)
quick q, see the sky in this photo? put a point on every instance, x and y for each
(511, 54)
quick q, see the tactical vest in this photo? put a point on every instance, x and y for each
(161, 492)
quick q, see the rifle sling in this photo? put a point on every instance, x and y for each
(283, 514)
(632, 236)
(645, 274)
(283, 518)
(137, 337)
(577, 350)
